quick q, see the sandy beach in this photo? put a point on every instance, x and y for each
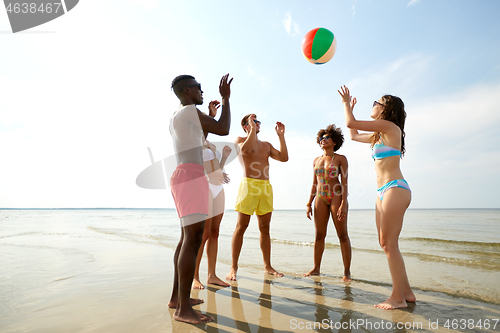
(112, 271)
(129, 289)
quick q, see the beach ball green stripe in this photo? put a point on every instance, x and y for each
(322, 41)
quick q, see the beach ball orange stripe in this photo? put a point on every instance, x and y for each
(319, 46)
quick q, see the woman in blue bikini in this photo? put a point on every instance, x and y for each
(394, 195)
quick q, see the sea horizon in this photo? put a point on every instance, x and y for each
(227, 210)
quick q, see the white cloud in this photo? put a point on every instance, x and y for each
(452, 144)
(291, 27)
(353, 7)
(403, 75)
(412, 2)
(451, 138)
(264, 80)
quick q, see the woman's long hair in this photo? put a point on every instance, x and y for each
(393, 110)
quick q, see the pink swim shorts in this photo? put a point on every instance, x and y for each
(189, 187)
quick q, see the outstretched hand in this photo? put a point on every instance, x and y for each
(212, 108)
(345, 94)
(280, 128)
(225, 87)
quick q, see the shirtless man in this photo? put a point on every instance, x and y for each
(189, 128)
(255, 193)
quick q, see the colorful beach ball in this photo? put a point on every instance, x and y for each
(319, 46)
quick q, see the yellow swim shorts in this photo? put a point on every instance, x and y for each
(254, 195)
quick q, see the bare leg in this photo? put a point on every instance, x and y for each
(265, 243)
(175, 289)
(237, 243)
(345, 242)
(213, 240)
(321, 216)
(192, 234)
(392, 209)
(196, 280)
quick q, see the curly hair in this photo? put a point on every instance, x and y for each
(333, 132)
(393, 110)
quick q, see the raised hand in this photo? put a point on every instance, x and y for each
(225, 87)
(212, 108)
(353, 102)
(226, 151)
(280, 128)
(251, 122)
(346, 96)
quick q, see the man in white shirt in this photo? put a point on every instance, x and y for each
(189, 128)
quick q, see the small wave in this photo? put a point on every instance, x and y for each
(20, 234)
(474, 263)
(302, 243)
(289, 242)
(450, 241)
(129, 236)
(488, 261)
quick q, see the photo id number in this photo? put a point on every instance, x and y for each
(32, 8)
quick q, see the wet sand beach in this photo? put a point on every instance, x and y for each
(112, 271)
(131, 296)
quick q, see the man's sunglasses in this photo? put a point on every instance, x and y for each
(195, 85)
(255, 121)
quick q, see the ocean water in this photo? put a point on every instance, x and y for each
(456, 252)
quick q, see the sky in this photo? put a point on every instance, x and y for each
(85, 95)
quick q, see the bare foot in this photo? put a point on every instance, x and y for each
(197, 284)
(410, 297)
(272, 271)
(313, 272)
(232, 275)
(391, 304)
(193, 301)
(347, 278)
(204, 317)
(215, 280)
(192, 317)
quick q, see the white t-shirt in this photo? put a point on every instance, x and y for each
(187, 133)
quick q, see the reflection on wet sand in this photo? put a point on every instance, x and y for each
(322, 304)
(322, 311)
(265, 308)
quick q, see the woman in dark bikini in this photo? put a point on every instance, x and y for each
(331, 193)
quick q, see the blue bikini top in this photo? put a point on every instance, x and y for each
(381, 151)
